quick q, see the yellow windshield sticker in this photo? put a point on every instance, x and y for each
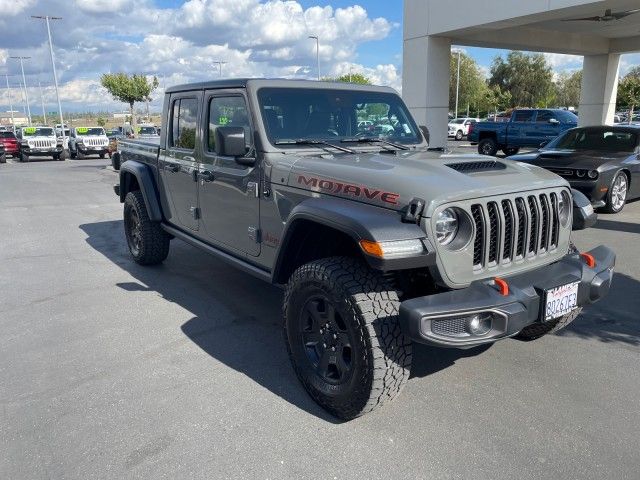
(223, 120)
(82, 130)
(29, 130)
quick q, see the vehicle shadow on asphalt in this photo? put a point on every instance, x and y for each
(615, 319)
(617, 226)
(237, 319)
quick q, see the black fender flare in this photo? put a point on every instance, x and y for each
(147, 184)
(359, 221)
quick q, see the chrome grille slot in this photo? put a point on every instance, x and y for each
(512, 229)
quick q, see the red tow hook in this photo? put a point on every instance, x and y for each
(588, 259)
(503, 286)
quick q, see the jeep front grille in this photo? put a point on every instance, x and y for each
(94, 142)
(514, 228)
(41, 144)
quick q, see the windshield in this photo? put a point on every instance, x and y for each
(458, 121)
(609, 140)
(334, 115)
(566, 116)
(147, 131)
(37, 132)
(90, 131)
(7, 135)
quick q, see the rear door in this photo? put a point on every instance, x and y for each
(520, 129)
(177, 163)
(229, 192)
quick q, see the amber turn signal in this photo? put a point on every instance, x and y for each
(372, 248)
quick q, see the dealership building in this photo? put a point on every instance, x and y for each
(431, 27)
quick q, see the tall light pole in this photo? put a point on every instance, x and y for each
(220, 65)
(13, 123)
(44, 113)
(457, 86)
(53, 66)
(315, 37)
(24, 82)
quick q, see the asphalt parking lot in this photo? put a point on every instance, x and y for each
(112, 370)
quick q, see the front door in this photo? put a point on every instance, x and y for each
(547, 126)
(177, 164)
(229, 192)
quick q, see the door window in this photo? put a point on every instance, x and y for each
(523, 116)
(184, 115)
(544, 116)
(227, 112)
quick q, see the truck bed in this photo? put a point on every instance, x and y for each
(141, 150)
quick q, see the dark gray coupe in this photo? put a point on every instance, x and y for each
(601, 162)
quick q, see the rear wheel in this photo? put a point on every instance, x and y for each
(148, 243)
(488, 146)
(617, 195)
(459, 135)
(3, 158)
(537, 330)
(343, 336)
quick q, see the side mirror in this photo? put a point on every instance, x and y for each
(425, 133)
(543, 144)
(554, 121)
(230, 142)
(583, 214)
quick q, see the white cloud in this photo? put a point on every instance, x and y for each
(560, 62)
(102, 6)
(14, 7)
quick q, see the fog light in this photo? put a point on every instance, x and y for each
(479, 324)
(581, 173)
(593, 174)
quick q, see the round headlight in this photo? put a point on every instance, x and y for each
(580, 173)
(564, 208)
(446, 226)
(593, 174)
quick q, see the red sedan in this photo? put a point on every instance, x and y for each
(8, 139)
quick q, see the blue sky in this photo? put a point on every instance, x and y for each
(179, 41)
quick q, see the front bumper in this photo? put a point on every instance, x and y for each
(521, 307)
(42, 152)
(88, 150)
(595, 190)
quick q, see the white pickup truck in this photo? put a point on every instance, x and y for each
(459, 127)
(87, 141)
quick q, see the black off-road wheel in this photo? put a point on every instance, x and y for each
(148, 243)
(115, 161)
(488, 146)
(343, 336)
(617, 194)
(537, 330)
(24, 157)
(73, 154)
(510, 151)
(101, 155)
(459, 135)
(3, 158)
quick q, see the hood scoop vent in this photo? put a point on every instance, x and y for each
(472, 167)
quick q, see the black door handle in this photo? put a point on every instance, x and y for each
(206, 176)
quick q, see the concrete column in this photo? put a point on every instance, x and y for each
(599, 89)
(425, 83)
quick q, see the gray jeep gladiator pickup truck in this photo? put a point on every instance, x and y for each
(377, 241)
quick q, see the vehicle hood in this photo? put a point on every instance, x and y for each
(585, 159)
(39, 137)
(92, 137)
(392, 181)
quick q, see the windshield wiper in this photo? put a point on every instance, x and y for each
(314, 141)
(374, 140)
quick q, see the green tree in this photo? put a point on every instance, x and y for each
(495, 99)
(472, 83)
(129, 89)
(527, 77)
(634, 72)
(101, 122)
(352, 78)
(629, 93)
(568, 88)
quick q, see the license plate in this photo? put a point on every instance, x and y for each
(560, 301)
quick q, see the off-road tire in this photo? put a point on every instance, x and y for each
(148, 243)
(24, 157)
(115, 161)
(537, 330)
(488, 146)
(73, 154)
(609, 206)
(510, 151)
(459, 135)
(368, 306)
(3, 158)
(101, 155)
